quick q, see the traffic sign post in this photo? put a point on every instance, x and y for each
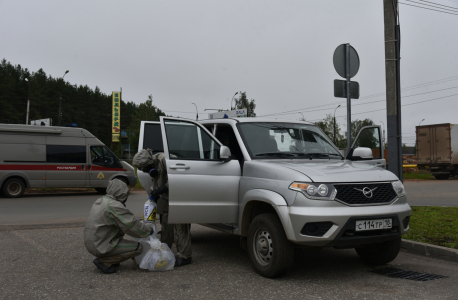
(346, 63)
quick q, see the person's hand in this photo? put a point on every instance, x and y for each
(155, 194)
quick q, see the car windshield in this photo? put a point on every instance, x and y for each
(286, 140)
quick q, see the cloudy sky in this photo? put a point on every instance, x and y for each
(279, 52)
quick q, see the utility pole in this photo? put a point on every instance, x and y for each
(28, 103)
(393, 86)
(60, 101)
(335, 124)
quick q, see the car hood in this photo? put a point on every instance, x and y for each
(336, 170)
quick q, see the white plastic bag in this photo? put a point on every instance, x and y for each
(158, 256)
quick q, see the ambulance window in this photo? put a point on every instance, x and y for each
(65, 154)
(102, 156)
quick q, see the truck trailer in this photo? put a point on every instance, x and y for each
(437, 149)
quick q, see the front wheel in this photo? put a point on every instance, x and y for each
(380, 254)
(441, 177)
(270, 251)
(13, 188)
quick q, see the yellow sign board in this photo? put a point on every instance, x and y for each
(116, 121)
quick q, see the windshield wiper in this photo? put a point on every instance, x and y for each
(310, 155)
(274, 154)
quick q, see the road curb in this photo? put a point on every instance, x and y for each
(430, 250)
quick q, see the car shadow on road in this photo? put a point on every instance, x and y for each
(223, 249)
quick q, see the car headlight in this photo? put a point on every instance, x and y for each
(315, 191)
(399, 188)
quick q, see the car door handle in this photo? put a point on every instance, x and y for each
(179, 167)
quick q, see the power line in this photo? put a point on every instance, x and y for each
(438, 4)
(401, 105)
(428, 8)
(365, 103)
(371, 96)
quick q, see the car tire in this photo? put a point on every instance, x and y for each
(270, 251)
(101, 190)
(123, 180)
(13, 188)
(381, 253)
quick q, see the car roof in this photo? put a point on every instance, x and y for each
(254, 119)
(45, 130)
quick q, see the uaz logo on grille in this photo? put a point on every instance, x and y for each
(367, 191)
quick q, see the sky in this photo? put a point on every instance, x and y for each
(278, 52)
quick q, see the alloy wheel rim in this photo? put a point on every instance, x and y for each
(263, 247)
(14, 188)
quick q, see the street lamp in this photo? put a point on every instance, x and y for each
(197, 113)
(420, 122)
(303, 118)
(60, 100)
(28, 104)
(233, 98)
(383, 138)
(335, 124)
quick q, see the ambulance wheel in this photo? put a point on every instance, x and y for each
(101, 190)
(123, 180)
(13, 188)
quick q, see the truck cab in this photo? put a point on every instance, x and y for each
(281, 185)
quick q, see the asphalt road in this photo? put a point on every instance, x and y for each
(432, 192)
(53, 263)
(74, 208)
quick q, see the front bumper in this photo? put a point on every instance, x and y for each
(343, 218)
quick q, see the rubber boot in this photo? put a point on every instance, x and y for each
(103, 267)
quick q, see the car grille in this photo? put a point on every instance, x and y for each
(383, 193)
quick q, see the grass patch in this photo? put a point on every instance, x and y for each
(434, 225)
(418, 176)
(138, 185)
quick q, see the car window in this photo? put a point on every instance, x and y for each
(152, 138)
(188, 141)
(286, 140)
(65, 154)
(102, 156)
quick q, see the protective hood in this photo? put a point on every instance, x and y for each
(143, 158)
(118, 190)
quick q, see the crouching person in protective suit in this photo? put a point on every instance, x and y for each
(108, 221)
(155, 166)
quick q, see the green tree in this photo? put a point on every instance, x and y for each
(144, 112)
(242, 102)
(327, 125)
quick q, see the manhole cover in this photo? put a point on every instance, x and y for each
(404, 274)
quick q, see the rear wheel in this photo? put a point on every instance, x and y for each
(101, 190)
(123, 180)
(381, 253)
(13, 188)
(441, 177)
(270, 251)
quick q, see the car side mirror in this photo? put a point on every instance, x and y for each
(225, 153)
(360, 153)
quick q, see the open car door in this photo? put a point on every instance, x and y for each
(370, 137)
(203, 188)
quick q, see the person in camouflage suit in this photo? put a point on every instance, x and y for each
(108, 221)
(156, 167)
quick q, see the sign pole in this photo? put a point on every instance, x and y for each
(347, 73)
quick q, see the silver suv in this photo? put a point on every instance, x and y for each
(281, 185)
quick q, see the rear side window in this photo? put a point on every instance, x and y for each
(65, 154)
(152, 138)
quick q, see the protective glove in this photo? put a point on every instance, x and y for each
(152, 198)
(159, 191)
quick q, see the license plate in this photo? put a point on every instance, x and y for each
(373, 224)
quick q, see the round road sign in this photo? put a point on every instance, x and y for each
(339, 59)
